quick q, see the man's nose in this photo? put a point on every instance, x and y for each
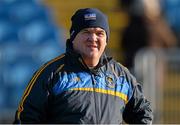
(92, 37)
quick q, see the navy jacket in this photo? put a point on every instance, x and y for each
(65, 90)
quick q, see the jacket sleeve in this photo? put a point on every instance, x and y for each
(32, 108)
(138, 109)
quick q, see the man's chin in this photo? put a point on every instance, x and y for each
(92, 55)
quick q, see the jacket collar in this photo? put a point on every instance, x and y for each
(77, 60)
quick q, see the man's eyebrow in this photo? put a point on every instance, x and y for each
(101, 31)
(85, 30)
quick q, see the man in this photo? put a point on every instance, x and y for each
(83, 85)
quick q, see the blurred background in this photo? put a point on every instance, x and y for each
(144, 37)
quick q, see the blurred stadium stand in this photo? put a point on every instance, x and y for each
(171, 9)
(159, 71)
(29, 37)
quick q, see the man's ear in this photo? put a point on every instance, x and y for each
(69, 45)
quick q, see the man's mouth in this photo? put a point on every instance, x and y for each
(92, 46)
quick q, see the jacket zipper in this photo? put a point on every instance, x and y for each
(95, 99)
(94, 94)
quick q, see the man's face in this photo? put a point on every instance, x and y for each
(90, 43)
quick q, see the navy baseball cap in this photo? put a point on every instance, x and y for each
(88, 18)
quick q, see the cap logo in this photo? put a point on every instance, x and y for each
(90, 16)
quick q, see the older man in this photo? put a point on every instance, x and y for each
(84, 85)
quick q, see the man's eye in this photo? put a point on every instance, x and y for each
(101, 34)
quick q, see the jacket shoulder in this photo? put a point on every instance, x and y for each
(49, 69)
(119, 68)
(55, 63)
(124, 70)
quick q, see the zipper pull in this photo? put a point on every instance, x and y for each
(93, 79)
